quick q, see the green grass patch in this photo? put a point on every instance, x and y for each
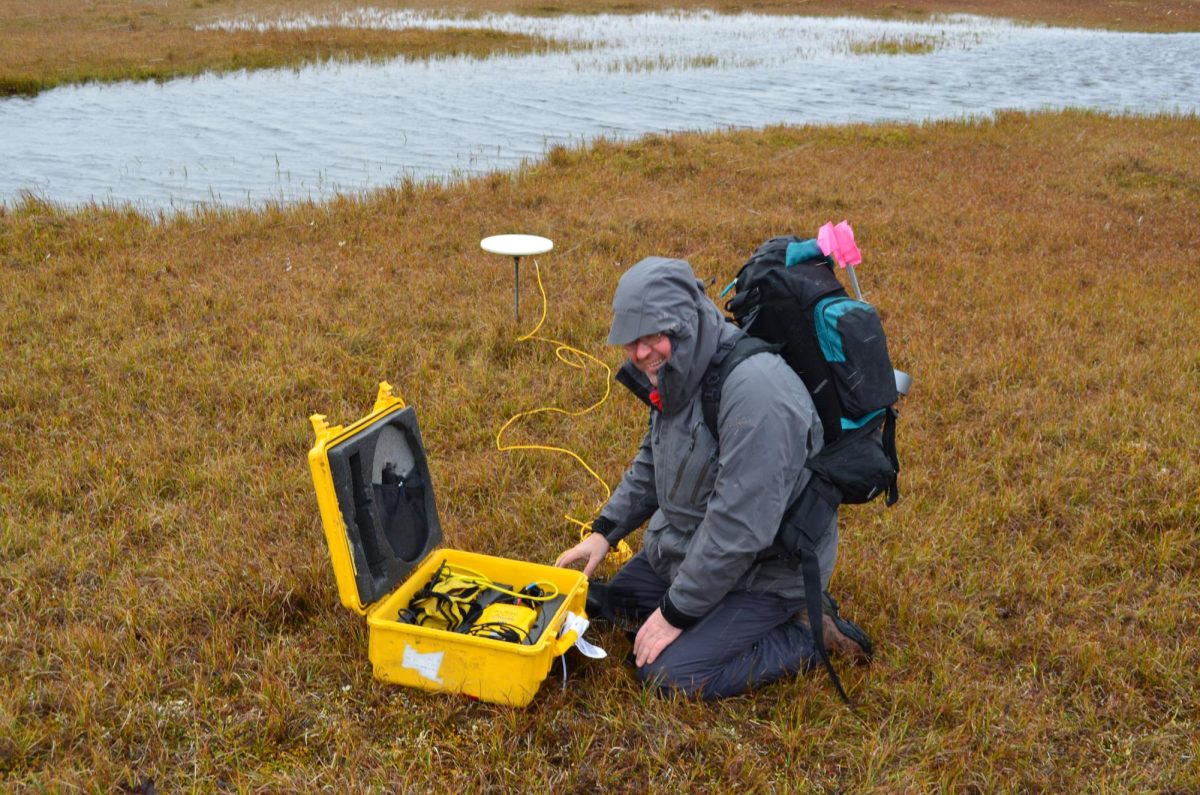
(897, 45)
(664, 62)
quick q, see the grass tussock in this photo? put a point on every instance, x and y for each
(57, 42)
(898, 45)
(168, 612)
(661, 62)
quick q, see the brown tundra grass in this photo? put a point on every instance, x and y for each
(110, 41)
(168, 615)
(54, 42)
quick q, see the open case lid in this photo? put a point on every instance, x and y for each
(376, 499)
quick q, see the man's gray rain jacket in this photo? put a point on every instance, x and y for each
(714, 510)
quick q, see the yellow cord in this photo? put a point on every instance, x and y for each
(572, 357)
(472, 577)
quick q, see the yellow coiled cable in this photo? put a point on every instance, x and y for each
(572, 357)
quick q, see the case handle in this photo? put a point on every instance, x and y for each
(565, 642)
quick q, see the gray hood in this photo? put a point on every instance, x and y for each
(661, 295)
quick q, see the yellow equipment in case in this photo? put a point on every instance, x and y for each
(381, 524)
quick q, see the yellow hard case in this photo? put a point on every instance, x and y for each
(380, 519)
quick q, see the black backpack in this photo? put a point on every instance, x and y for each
(788, 297)
(788, 300)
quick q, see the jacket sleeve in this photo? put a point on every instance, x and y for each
(634, 500)
(764, 427)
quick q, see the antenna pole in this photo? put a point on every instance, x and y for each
(517, 287)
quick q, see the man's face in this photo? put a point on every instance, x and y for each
(649, 353)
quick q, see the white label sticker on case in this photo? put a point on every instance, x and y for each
(427, 665)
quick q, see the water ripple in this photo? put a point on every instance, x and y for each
(284, 135)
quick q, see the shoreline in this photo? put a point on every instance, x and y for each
(70, 42)
(555, 153)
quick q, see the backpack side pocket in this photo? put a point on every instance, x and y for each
(859, 463)
(852, 341)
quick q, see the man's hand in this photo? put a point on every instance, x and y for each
(591, 549)
(654, 636)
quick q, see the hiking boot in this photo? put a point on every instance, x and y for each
(612, 605)
(842, 635)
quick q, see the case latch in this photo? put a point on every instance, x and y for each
(387, 397)
(323, 429)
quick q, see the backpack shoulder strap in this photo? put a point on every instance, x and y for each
(889, 449)
(731, 353)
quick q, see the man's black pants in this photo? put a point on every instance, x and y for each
(748, 639)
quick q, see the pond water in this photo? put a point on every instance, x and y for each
(285, 135)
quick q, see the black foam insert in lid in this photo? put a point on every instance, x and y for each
(381, 478)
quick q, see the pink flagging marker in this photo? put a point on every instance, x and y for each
(838, 241)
